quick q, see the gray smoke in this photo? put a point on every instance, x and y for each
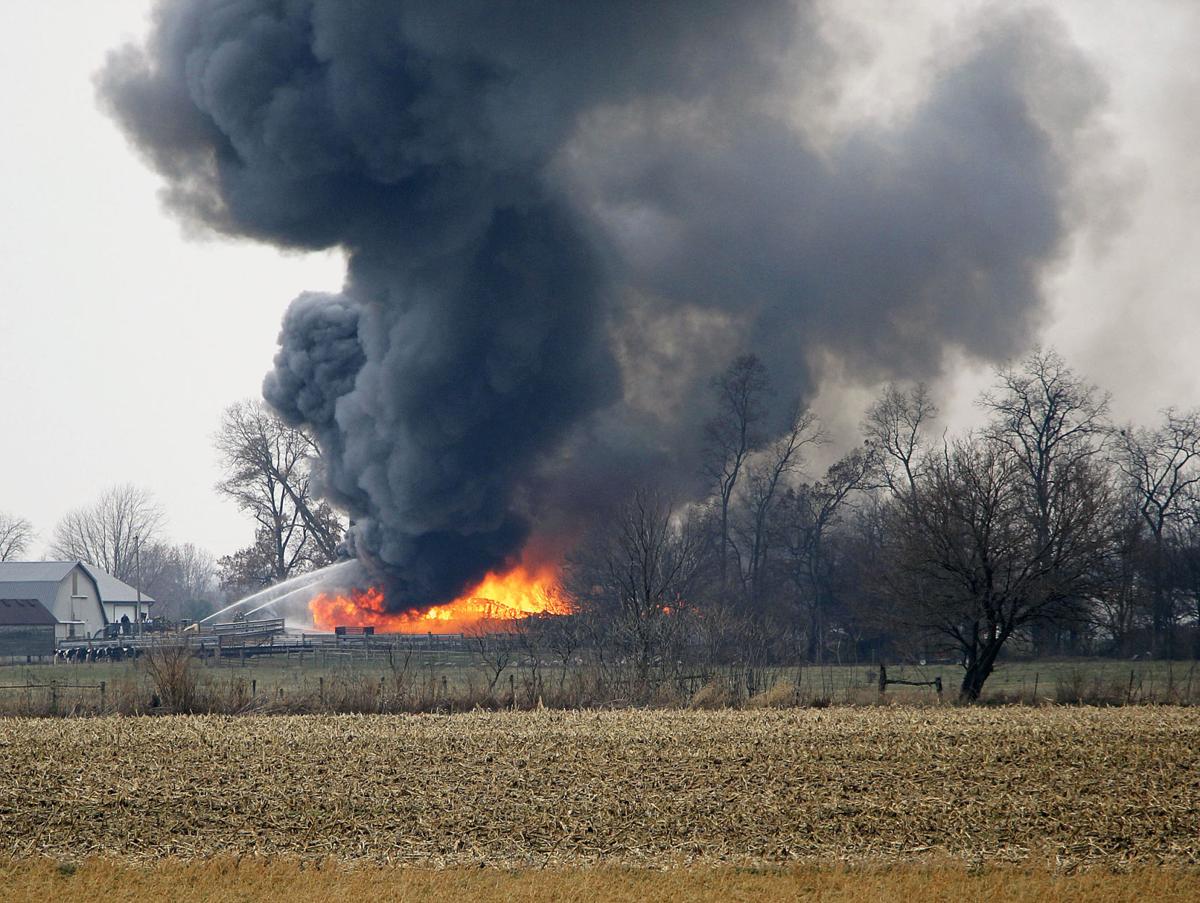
(562, 218)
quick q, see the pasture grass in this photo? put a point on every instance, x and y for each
(454, 681)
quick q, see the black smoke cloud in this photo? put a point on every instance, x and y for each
(561, 218)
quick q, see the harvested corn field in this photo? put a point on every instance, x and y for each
(1075, 786)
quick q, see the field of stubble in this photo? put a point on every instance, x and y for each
(1106, 787)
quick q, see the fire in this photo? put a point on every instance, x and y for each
(516, 593)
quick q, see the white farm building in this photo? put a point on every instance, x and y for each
(82, 598)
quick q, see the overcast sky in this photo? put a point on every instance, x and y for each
(122, 338)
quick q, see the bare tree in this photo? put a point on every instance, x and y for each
(1185, 565)
(1045, 416)
(731, 435)
(1048, 420)
(16, 535)
(492, 643)
(968, 564)
(895, 428)
(530, 637)
(1119, 607)
(171, 667)
(268, 467)
(765, 478)
(564, 636)
(637, 571)
(106, 533)
(1163, 469)
(181, 579)
(806, 517)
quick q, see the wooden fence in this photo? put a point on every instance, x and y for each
(58, 692)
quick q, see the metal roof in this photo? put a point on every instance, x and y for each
(43, 590)
(24, 612)
(39, 580)
(111, 589)
(34, 571)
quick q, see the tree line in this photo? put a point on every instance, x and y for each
(1050, 530)
(268, 470)
(121, 532)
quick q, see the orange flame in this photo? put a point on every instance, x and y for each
(516, 593)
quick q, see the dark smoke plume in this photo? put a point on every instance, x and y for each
(561, 218)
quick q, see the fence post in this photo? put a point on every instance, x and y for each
(54, 697)
(102, 690)
(512, 691)
(381, 690)
(254, 687)
(321, 688)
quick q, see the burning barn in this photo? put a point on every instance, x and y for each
(516, 593)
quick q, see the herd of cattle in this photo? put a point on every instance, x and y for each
(97, 654)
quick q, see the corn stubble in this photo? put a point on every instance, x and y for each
(1090, 787)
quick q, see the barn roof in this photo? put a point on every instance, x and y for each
(111, 589)
(40, 579)
(24, 612)
(33, 579)
(34, 571)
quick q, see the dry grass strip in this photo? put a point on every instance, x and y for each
(37, 881)
(1070, 786)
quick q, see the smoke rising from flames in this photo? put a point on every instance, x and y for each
(561, 218)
